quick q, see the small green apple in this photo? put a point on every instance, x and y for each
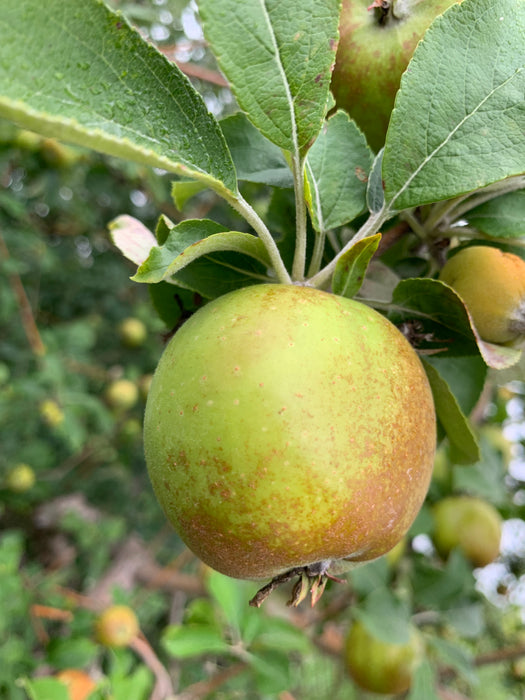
(376, 44)
(492, 285)
(469, 523)
(132, 332)
(51, 413)
(20, 478)
(381, 667)
(122, 394)
(288, 427)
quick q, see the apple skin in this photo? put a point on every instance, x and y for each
(132, 332)
(122, 394)
(378, 666)
(372, 56)
(492, 286)
(469, 523)
(117, 626)
(287, 426)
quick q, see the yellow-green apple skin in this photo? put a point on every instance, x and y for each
(492, 285)
(287, 426)
(133, 332)
(122, 394)
(20, 478)
(117, 626)
(469, 523)
(381, 667)
(375, 47)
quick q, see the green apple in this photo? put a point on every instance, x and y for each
(381, 667)
(288, 427)
(492, 286)
(51, 413)
(132, 332)
(20, 478)
(469, 523)
(376, 44)
(122, 394)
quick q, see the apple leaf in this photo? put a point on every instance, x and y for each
(277, 55)
(439, 322)
(192, 239)
(79, 72)
(183, 190)
(185, 641)
(337, 167)
(256, 159)
(385, 616)
(375, 196)
(132, 238)
(351, 267)
(463, 445)
(458, 121)
(502, 217)
(466, 376)
(424, 683)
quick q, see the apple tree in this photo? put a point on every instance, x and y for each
(307, 233)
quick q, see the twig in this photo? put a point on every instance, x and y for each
(163, 687)
(26, 312)
(201, 689)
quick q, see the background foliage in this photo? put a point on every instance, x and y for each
(89, 532)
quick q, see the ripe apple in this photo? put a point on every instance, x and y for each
(117, 626)
(469, 523)
(381, 667)
(375, 46)
(492, 285)
(132, 332)
(122, 394)
(79, 684)
(287, 428)
(20, 478)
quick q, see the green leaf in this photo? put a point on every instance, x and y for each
(256, 159)
(211, 276)
(191, 239)
(502, 217)
(231, 595)
(440, 323)
(272, 671)
(461, 437)
(443, 588)
(458, 122)
(46, 689)
(464, 375)
(351, 267)
(337, 168)
(375, 196)
(277, 55)
(184, 641)
(454, 656)
(183, 190)
(385, 616)
(423, 683)
(281, 635)
(79, 72)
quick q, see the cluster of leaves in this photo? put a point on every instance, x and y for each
(450, 175)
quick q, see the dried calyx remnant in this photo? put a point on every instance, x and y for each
(311, 578)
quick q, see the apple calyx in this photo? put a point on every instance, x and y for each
(390, 10)
(311, 579)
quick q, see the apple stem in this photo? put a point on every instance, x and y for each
(299, 261)
(247, 212)
(369, 228)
